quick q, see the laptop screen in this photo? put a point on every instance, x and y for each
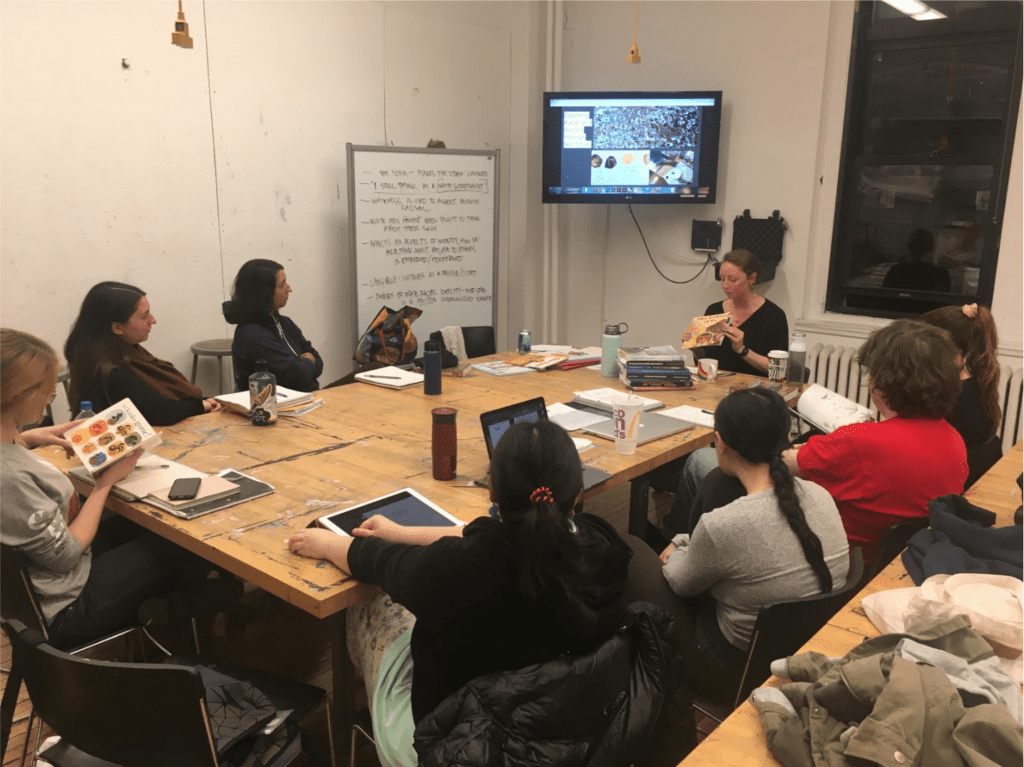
(496, 422)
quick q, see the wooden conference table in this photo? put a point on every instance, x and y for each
(364, 442)
(739, 741)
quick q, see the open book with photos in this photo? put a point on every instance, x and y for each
(106, 438)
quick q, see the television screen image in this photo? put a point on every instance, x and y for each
(631, 147)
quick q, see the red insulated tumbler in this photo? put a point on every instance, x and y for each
(444, 442)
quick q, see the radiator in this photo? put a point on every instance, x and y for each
(835, 368)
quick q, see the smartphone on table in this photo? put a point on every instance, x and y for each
(184, 489)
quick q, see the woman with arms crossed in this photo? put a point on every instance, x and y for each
(92, 573)
(107, 362)
(783, 539)
(264, 334)
(883, 473)
(532, 581)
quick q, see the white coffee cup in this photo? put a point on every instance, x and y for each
(626, 424)
(778, 365)
(708, 368)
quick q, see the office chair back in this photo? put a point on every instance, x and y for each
(893, 542)
(18, 599)
(127, 713)
(783, 628)
(478, 340)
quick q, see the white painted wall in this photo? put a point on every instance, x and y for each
(173, 172)
(147, 175)
(782, 67)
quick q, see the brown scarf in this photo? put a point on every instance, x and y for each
(162, 377)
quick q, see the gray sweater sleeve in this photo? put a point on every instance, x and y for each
(695, 565)
(33, 497)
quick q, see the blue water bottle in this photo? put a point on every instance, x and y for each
(432, 367)
(610, 343)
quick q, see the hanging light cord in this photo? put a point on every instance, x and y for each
(636, 6)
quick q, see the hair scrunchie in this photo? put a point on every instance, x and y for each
(542, 494)
(970, 310)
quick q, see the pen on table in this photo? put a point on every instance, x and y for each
(368, 375)
(153, 466)
(706, 411)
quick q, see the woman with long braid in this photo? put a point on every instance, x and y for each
(782, 540)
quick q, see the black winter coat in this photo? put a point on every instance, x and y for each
(596, 708)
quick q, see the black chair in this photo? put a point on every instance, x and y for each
(478, 340)
(893, 543)
(139, 714)
(19, 601)
(780, 631)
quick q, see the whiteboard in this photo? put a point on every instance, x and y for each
(424, 232)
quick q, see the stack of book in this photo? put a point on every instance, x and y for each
(654, 367)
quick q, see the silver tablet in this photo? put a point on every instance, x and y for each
(406, 507)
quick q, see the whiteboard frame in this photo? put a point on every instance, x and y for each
(350, 152)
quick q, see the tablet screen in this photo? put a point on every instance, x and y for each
(403, 508)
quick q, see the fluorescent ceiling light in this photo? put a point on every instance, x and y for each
(916, 9)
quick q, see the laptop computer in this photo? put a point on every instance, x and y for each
(652, 427)
(496, 422)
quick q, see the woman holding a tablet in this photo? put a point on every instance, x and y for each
(534, 580)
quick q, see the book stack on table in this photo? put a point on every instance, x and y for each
(654, 367)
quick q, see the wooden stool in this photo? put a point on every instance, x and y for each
(219, 348)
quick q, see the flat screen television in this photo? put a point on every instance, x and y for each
(643, 147)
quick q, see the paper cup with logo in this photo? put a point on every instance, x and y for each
(626, 424)
(708, 368)
(778, 365)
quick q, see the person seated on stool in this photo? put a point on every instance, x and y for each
(92, 572)
(886, 472)
(781, 539)
(976, 412)
(532, 581)
(758, 326)
(106, 360)
(260, 292)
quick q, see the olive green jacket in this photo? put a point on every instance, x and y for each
(912, 713)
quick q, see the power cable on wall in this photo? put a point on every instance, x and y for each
(655, 265)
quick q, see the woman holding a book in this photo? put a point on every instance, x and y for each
(886, 472)
(532, 581)
(780, 538)
(976, 412)
(107, 362)
(264, 334)
(91, 572)
(757, 327)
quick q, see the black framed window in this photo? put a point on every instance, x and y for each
(931, 117)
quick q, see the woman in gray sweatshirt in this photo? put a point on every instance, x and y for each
(782, 540)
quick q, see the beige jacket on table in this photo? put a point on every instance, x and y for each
(914, 714)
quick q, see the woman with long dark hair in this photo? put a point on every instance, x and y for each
(783, 539)
(976, 412)
(264, 334)
(107, 362)
(534, 580)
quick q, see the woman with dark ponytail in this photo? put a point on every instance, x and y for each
(976, 414)
(782, 540)
(535, 579)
